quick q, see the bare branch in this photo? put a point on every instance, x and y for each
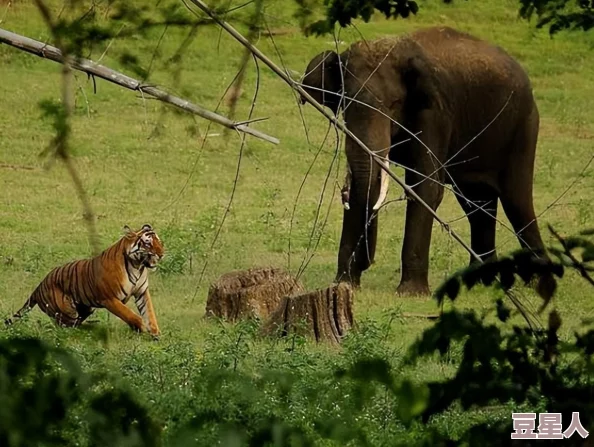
(91, 68)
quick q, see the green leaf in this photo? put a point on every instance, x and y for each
(503, 312)
(450, 288)
(412, 400)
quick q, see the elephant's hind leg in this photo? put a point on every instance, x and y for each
(517, 200)
(479, 202)
(516, 186)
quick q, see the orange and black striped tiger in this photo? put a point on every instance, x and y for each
(71, 292)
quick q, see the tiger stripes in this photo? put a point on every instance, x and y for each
(70, 293)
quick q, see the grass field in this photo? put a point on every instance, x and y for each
(141, 163)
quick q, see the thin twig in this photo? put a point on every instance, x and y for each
(200, 151)
(110, 43)
(236, 89)
(61, 141)
(8, 5)
(154, 55)
(17, 167)
(306, 261)
(82, 90)
(299, 194)
(576, 264)
(320, 148)
(235, 181)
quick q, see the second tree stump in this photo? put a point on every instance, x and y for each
(324, 314)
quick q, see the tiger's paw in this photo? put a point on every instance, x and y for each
(155, 333)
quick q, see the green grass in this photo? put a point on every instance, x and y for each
(134, 175)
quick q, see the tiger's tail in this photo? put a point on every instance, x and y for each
(29, 304)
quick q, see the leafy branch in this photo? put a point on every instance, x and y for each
(344, 12)
(558, 15)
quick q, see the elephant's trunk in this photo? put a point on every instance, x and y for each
(359, 229)
(384, 183)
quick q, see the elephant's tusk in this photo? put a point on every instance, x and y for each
(346, 189)
(385, 181)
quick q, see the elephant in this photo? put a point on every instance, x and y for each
(453, 110)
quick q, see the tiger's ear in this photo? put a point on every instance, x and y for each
(128, 231)
(146, 227)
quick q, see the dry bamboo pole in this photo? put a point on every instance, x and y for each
(87, 66)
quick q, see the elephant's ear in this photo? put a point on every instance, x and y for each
(421, 83)
(322, 79)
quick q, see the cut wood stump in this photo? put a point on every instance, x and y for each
(324, 314)
(252, 293)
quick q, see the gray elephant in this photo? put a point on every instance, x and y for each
(466, 108)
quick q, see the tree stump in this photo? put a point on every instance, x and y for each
(324, 314)
(252, 293)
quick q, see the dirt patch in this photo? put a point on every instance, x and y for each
(323, 314)
(252, 293)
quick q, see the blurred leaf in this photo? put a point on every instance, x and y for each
(412, 400)
(503, 312)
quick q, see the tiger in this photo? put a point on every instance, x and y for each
(71, 292)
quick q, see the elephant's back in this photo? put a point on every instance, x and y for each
(476, 61)
(483, 82)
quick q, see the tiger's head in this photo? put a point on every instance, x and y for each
(145, 248)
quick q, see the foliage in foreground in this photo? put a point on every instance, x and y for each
(362, 398)
(557, 15)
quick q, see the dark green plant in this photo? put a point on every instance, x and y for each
(521, 365)
(42, 389)
(558, 15)
(35, 397)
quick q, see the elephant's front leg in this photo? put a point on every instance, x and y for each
(417, 236)
(357, 243)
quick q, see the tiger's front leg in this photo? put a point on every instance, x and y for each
(123, 312)
(144, 304)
